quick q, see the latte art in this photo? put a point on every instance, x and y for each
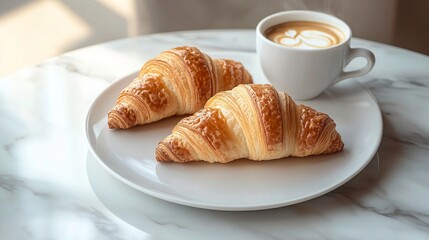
(306, 39)
(305, 35)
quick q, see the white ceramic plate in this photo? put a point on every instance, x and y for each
(129, 155)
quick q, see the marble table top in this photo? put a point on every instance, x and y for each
(51, 187)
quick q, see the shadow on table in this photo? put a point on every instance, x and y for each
(164, 219)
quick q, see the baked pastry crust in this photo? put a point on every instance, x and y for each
(178, 81)
(251, 121)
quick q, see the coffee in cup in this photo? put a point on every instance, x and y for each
(305, 52)
(305, 34)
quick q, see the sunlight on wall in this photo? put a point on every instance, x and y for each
(122, 8)
(32, 31)
(126, 9)
(35, 31)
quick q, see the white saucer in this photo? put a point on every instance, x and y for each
(129, 155)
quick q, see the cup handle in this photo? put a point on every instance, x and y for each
(354, 53)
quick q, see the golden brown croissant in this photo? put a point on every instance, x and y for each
(177, 81)
(251, 121)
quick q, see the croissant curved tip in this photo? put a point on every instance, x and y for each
(121, 116)
(172, 149)
(248, 79)
(111, 124)
(336, 144)
(113, 121)
(162, 153)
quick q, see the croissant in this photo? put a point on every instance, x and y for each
(177, 81)
(251, 121)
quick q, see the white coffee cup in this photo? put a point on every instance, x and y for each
(306, 73)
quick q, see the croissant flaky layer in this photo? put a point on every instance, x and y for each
(177, 81)
(251, 121)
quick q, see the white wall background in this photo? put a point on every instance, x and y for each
(370, 19)
(31, 31)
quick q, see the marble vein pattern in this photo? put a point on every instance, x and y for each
(51, 187)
